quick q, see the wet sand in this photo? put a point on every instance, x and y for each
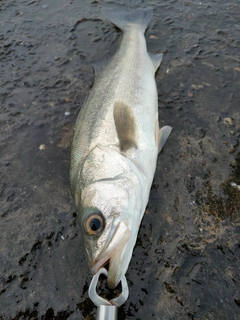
(186, 262)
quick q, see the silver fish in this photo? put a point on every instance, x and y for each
(115, 148)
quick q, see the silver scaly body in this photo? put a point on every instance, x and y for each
(115, 148)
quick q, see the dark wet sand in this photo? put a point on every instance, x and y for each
(186, 263)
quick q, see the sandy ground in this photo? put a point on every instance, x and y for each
(186, 263)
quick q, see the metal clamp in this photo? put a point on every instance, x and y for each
(107, 309)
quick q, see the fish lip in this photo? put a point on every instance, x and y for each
(99, 264)
(114, 246)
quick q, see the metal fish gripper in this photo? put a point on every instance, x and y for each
(107, 309)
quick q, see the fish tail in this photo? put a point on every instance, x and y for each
(125, 19)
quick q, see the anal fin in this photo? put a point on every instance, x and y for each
(156, 59)
(125, 125)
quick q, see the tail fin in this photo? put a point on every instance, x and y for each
(124, 19)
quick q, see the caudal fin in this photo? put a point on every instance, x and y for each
(124, 19)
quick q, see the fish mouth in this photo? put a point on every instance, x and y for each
(112, 254)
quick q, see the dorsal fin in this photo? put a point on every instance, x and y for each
(99, 66)
(125, 125)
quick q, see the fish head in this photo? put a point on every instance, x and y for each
(105, 218)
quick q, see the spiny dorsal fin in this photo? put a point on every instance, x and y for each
(125, 125)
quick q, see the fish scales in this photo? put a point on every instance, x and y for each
(115, 148)
(120, 81)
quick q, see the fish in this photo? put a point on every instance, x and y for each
(115, 147)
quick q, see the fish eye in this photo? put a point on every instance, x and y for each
(94, 224)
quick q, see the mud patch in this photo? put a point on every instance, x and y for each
(227, 205)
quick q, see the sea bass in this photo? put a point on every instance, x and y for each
(115, 148)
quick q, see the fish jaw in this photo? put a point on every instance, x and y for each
(113, 252)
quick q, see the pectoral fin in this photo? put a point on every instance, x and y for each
(125, 125)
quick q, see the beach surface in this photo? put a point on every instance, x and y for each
(186, 262)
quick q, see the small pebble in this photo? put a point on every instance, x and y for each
(197, 86)
(233, 184)
(51, 104)
(42, 147)
(227, 121)
(232, 148)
